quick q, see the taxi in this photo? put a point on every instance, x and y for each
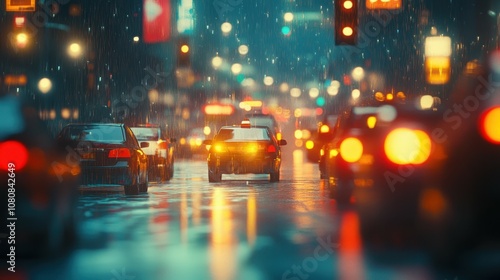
(244, 149)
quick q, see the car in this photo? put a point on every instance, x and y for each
(265, 120)
(381, 159)
(108, 155)
(40, 187)
(192, 144)
(160, 151)
(244, 149)
(320, 137)
(459, 214)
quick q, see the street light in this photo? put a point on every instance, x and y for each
(45, 85)
(226, 27)
(268, 80)
(216, 62)
(243, 49)
(236, 68)
(355, 94)
(74, 50)
(358, 74)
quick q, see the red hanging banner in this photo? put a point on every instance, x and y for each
(156, 21)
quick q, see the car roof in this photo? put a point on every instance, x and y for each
(91, 123)
(148, 125)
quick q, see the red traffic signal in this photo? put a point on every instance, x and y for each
(346, 22)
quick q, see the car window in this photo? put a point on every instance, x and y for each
(94, 133)
(131, 139)
(145, 133)
(239, 134)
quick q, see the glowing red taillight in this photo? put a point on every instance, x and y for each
(271, 149)
(13, 152)
(162, 145)
(119, 153)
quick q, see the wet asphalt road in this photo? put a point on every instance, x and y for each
(241, 228)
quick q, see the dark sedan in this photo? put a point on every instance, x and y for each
(108, 154)
(382, 157)
(244, 149)
(460, 213)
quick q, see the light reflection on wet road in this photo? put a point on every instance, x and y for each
(241, 228)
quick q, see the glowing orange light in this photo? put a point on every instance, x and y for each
(348, 4)
(383, 4)
(407, 146)
(347, 31)
(351, 149)
(489, 125)
(217, 109)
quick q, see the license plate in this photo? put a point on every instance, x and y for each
(88, 156)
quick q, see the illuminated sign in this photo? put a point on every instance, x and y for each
(156, 21)
(383, 4)
(15, 80)
(218, 109)
(20, 5)
(437, 59)
(185, 21)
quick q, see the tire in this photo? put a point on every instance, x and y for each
(132, 189)
(214, 177)
(144, 186)
(274, 177)
(171, 169)
(164, 174)
(342, 191)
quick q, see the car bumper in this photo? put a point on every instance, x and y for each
(244, 164)
(98, 176)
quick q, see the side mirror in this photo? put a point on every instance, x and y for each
(144, 144)
(282, 142)
(207, 142)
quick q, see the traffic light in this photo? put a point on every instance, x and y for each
(183, 52)
(20, 38)
(346, 22)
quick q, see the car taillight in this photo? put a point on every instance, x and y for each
(162, 145)
(324, 129)
(218, 148)
(351, 149)
(309, 144)
(252, 148)
(489, 125)
(13, 152)
(271, 149)
(407, 146)
(119, 153)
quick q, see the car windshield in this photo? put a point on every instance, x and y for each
(242, 134)
(145, 133)
(93, 133)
